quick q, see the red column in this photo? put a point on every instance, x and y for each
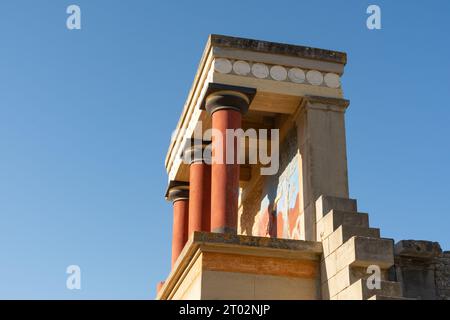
(226, 107)
(199, 187)
(225, 177)
(200, 197)
(180, 198)
(206, 198)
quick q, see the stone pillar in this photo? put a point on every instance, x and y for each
(323, 155)
(199, 186)
(226, 105)
(178, 193)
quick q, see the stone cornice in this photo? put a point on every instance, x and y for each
(326, 102)
(278, 48)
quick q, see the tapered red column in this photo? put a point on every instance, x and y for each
(199, 186)
(226, 108)
(179, 195)
(225, 176)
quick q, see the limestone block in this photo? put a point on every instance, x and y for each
(326, 247)
(335, 218)
(341, 280)
(363, 252)
(360, 291)
(326, 203)
(328, 267)
(321, 142)
(281, 288)
(346, 277)
(345, 232)
(193, 292)
(418, 249)
(218, 285)
(327, 147)
(189, 288)
(226, 285)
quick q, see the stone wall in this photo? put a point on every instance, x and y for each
(423, 270)
(443, 276)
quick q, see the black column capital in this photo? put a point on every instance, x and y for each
(177, 190)
(221, 96)
(194, 151)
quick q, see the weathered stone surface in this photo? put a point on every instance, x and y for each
(347, 277)
(335, 218)
(363, 252)
(345, 232)
(325, 204)
(340, 281)
(442, 276)
(422, 269)
(418, 281)
(215, 266)
(328, 267)
(323, 170)
(258, 242)
(277, 48)
(241, 286)
(360, 291)
(417, 248)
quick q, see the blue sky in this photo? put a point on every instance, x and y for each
(86, 116)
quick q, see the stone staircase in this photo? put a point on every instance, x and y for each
(350, 247)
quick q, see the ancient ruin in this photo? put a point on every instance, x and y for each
(294, 234)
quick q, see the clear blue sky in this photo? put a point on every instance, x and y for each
(86, 116)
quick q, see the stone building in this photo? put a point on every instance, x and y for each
(284, 228)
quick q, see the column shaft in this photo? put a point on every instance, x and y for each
(224, 177)
(199, 197)
(180, 227)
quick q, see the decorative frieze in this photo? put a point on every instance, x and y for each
(276, 72)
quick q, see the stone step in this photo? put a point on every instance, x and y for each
(345, 278)
(363, 251)
(345, 232)
(358, 252)
(360, 291)
(327, 203)
(335, 218)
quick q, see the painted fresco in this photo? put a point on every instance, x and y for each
(279, 213)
